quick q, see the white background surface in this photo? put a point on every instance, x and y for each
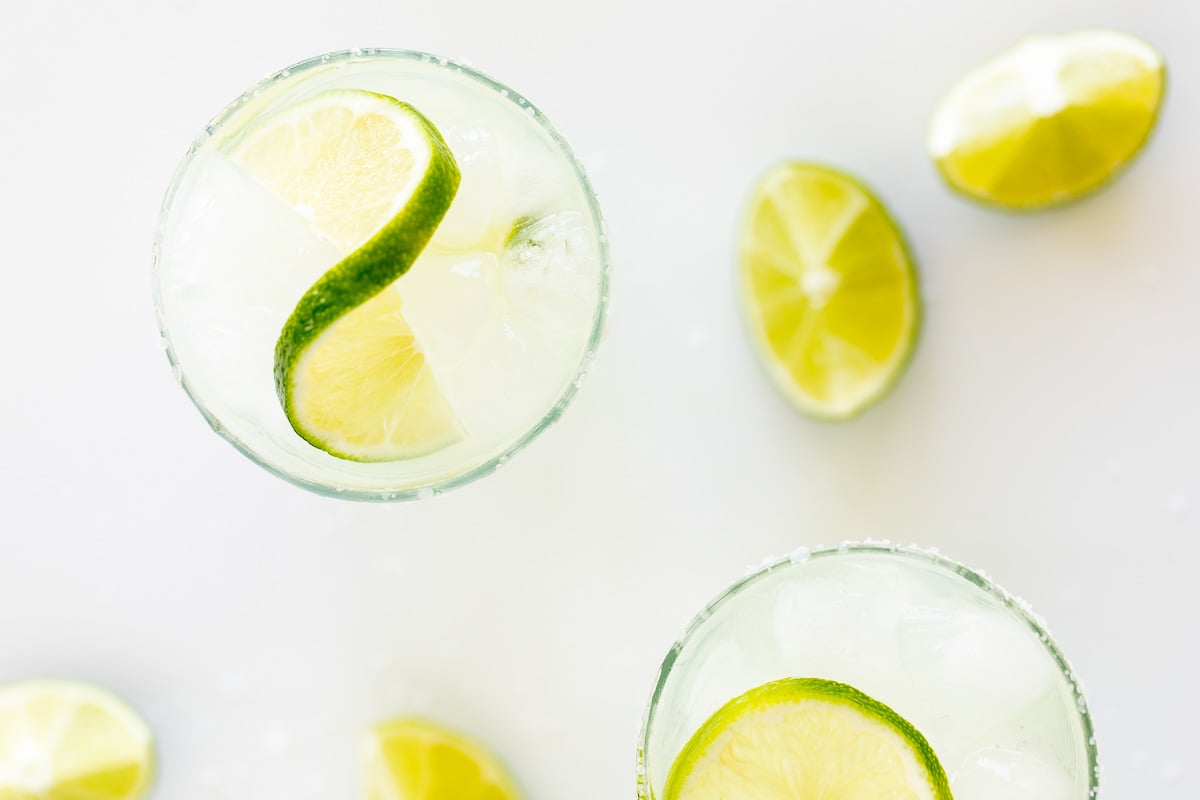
(1048, 430)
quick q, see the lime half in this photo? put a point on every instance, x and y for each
(413, 759)
(1050, 120)
(828, 289)
(373, 176)
(806, 739)
(69, 741)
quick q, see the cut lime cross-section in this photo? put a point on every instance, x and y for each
(806, 739)
(828, 288)
(373, 176)
(1050, 120)
(412, 759)
(69, 741)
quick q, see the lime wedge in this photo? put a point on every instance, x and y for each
(70, 741)
(828, 289)
(412, 759)
(1050, 120)
(375, 177)
(806, 739)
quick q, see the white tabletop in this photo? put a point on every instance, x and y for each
(1048, 430)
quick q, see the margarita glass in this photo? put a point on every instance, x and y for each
(963, 661)
(505, 303)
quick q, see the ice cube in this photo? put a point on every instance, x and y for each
(840, 626)
(469, 222)
(236, 263)
(450, 301)
(536, 179)
(499, 329)
(550, 267)
(973, 667)
(998, 774)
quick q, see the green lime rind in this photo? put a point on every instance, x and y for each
(790, 690)
(368, 270)
(907, 350)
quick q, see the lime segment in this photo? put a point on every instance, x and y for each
(70, 741)
(367, 390)
(1050, 120)
(412, 759)
(806, 739)
(373, 176)
(828, 288)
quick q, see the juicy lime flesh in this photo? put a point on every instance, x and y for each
(806, 739)
(376, 391)
(829, 288)
(1050, 121)
(376, 178)
(417, 760)
(344, 165)
(67, 741)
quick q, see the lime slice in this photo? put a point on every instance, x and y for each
(1050, 120)
(412, 759)
(806, 739)
(71, 741)
(828, 288)
(375, 177)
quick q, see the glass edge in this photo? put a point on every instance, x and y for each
(440, 485)
(930, 555)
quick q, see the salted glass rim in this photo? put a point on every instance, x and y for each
(1015, 605)
(436, 485)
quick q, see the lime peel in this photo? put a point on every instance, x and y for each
(376, 177)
